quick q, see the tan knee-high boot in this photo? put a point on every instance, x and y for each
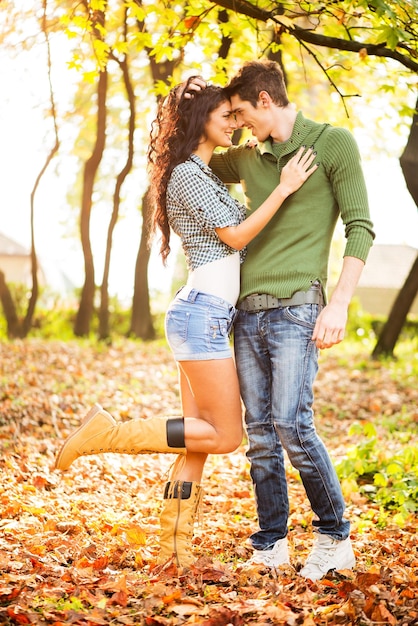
(99, 432)
(181, 503)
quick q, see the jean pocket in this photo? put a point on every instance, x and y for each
(177, 325)
(304, 315)
(218, 328)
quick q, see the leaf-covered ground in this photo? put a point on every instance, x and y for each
(80, 547)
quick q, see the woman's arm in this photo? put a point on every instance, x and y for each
(293, 175)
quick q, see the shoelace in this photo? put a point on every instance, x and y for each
(175, 491)
(320, 555)
(176, 467)
(264, 557)
(268, 559)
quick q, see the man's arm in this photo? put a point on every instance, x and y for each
(331, 323)
(342, 159)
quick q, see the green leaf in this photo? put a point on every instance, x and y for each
(98, 5)
(380, 480)
(393, 469)
(388, 35)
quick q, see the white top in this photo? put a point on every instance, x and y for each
(220, 278)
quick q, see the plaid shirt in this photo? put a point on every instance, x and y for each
(197, 203)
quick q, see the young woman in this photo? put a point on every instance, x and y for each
(190, 200)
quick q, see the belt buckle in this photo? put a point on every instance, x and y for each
(272, 302)
(254, 301)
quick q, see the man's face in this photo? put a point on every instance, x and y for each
(257, 119)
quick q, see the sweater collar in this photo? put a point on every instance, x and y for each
(301, 130)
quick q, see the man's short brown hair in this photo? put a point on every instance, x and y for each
(257, 76)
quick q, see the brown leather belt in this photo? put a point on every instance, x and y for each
(264, 301)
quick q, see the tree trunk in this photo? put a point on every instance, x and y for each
(402, 305)
(104, 290)
(27, 321)
(141, 320)
(14, 328)
(409, 158)
(392, 329)
(86, 307)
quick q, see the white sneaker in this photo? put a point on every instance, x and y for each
(278, 555)
(327, 554)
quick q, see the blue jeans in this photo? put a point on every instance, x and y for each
(198, 326)
(277, 363)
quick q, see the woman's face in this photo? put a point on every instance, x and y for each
(220, 126)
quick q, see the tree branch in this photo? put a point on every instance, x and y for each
(380, 50)
(246, 8)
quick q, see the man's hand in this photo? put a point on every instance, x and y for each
(330, 326)
(197, 83)
(332, 321)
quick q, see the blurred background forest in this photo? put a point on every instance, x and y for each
(81, 81)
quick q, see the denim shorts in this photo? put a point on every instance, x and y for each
(198, 326)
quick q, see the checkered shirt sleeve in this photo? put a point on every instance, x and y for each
(198, 202)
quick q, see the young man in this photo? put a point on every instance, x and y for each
(284, 317)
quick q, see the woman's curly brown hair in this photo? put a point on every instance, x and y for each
(175, 134)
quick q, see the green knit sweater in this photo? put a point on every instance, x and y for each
(292, 251)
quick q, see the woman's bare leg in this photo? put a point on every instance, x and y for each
(191, 467)
(215, 390)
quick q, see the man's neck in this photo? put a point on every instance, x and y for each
(285, 121)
